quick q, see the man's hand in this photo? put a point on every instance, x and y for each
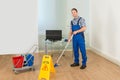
(75, 32)
(69, 40)
(80, 30)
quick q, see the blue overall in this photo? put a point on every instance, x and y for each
(78, 42)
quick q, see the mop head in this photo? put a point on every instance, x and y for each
(56, 65)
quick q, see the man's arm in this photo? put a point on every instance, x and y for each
(83, 28)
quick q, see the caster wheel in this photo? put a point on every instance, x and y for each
(15, 72)
(33, 69)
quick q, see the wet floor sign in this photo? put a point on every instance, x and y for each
(46, 68)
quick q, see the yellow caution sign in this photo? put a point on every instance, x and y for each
(46, 68)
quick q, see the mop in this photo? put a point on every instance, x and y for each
(56, 64)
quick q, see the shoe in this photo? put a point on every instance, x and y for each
(74, 64)
(83, 67)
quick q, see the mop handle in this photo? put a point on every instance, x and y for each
(64, 50)
(35, 45)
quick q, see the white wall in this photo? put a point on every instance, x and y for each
(47, 14)
(105, 28)
(18, 25)
(51, 14)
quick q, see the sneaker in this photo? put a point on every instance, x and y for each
(83, 67)
(74, 64)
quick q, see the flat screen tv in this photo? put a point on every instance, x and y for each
(53, 35)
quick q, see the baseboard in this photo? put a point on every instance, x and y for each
(111, 59)
(42, 51)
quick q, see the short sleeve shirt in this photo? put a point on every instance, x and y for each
(81, 22)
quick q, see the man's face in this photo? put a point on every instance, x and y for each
(74, 13)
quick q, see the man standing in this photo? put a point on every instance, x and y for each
(78, 26)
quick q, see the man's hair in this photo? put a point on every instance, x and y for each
(74, 9)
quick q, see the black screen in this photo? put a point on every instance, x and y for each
(53, 35)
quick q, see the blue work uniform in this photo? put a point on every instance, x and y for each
(78, 40)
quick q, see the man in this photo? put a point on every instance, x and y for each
(78, 26)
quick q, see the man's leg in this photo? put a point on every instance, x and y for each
(83, 52)
(76, 53)
(84, 56)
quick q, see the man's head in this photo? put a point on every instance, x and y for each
(74, 12)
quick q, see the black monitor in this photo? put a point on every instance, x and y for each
(53, 35)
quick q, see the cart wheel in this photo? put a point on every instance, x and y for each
(16, 72)
(33, 69)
